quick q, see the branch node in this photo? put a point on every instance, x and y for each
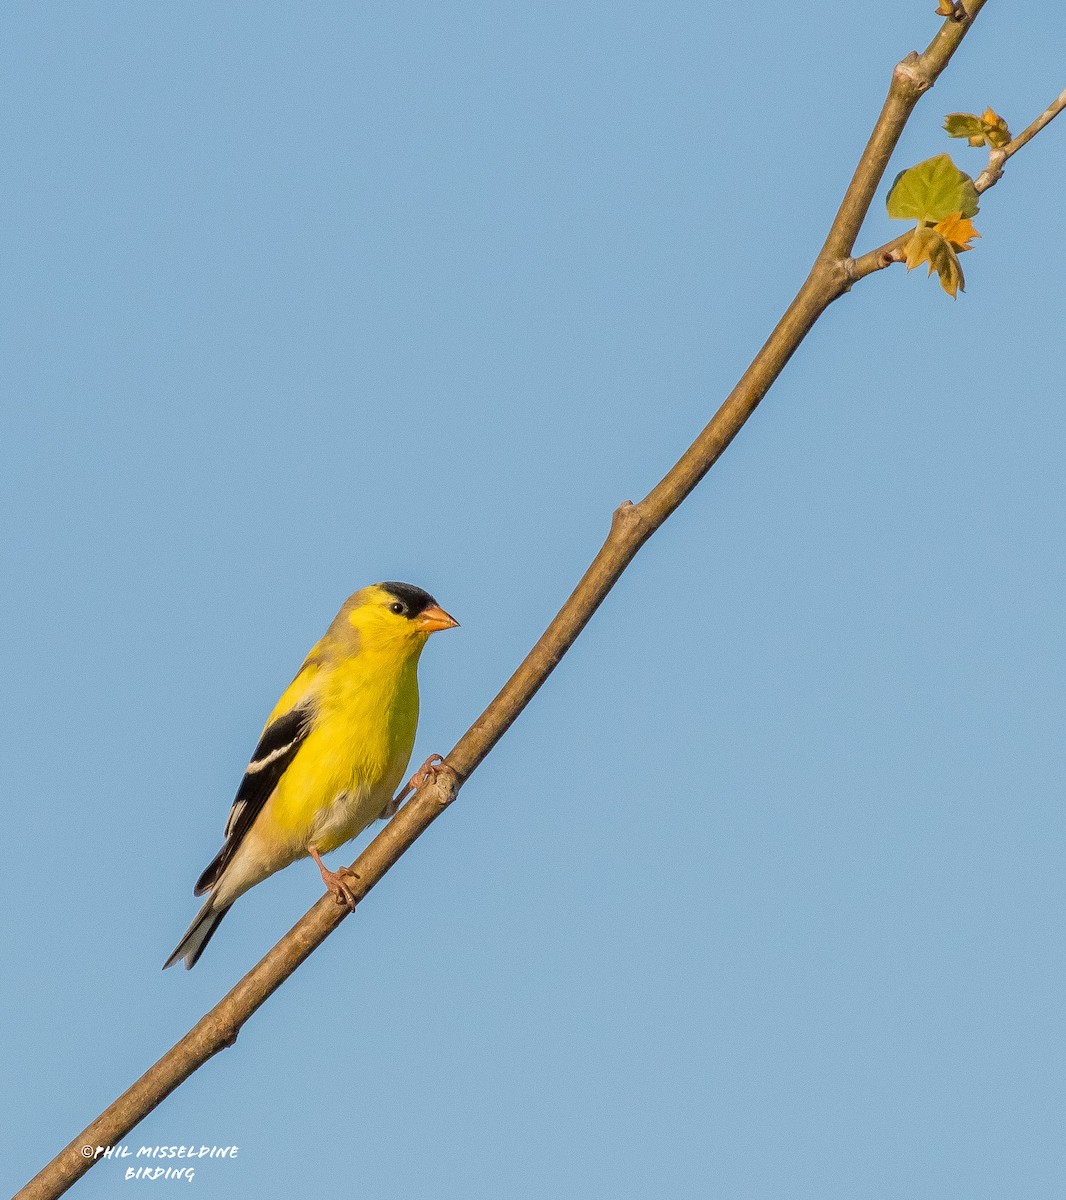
(993, 173)
(837, 273)
(912, 75)
(989, 177)
(626, 519)
(444, 783)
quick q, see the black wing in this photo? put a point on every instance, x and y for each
(277, 748)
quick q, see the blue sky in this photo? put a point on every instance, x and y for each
(762, 896)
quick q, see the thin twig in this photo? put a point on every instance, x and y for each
(993, 173)
(894, 251)
(631, 526)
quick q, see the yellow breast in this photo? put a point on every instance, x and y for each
(355, 756)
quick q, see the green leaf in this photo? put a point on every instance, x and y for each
(965, 125)
(931, 191)
(989, 128)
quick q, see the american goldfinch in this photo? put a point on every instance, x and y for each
(332, 754)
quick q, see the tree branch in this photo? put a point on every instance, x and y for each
(997, 157)
(894, 251)
(911, 79)
(632, 524)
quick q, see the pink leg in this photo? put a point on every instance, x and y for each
(336, 881)
(427, 771)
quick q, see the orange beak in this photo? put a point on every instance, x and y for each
(431, 619)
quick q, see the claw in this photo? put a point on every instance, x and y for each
(428, 771)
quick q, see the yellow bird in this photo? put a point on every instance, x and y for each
(332, 754)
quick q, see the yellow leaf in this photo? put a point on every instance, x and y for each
(917, 248)
(995, 128)
(929, 246)
(945, 9)
(958, 230)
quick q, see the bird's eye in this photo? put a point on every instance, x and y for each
(398, 608)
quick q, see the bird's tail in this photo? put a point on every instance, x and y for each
(197, 935)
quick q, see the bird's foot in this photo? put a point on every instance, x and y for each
(337, 881)
(428, 771)
(338, 886)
